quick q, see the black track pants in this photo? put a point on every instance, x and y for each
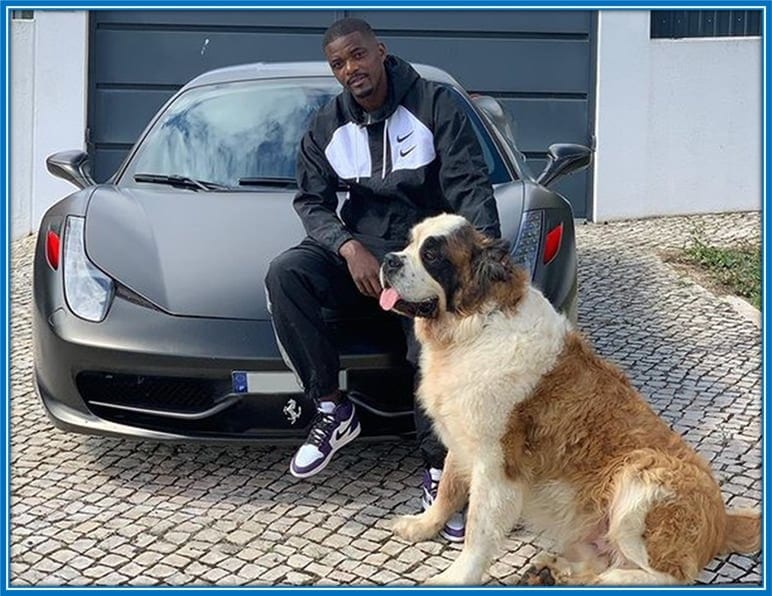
(302, 281)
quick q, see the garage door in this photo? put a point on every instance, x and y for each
(539, 64)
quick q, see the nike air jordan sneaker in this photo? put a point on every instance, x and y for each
(333, 427)
(454, 530)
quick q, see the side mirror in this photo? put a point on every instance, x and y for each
(564, 159)
(72, 166)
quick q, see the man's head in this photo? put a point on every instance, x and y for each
(356, 58)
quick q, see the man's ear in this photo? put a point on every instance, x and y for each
(382, 51)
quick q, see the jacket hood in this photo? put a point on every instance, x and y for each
(401, 77)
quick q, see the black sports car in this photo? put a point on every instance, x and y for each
(150, 315)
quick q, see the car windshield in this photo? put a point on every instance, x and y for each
(223, 133)
(220, 135)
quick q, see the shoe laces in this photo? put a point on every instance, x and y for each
(321, 428)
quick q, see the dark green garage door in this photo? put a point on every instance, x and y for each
(539, 64)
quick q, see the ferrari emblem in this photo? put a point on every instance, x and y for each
(292, 411)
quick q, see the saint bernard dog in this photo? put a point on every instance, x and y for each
(540, 430)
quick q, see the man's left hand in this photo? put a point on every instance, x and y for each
(363, 266)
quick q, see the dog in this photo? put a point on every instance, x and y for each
(540, 430)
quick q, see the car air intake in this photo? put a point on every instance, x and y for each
(170, 397)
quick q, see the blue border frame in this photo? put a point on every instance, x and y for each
(383, 4)
(8, 5)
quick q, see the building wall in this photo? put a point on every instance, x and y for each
(48, 108)
(678, 123)
(21, 114)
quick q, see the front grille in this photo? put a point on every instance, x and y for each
(207, 409)
(155, 393)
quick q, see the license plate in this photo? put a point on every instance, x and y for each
(272, 382)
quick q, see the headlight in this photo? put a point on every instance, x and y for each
(87, 290)
(526, 249)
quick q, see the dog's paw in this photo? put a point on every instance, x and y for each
(537, 576)
(547, 570)
(413, 528)
(464, 571)
(446, 578)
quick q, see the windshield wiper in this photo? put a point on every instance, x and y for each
(181, 181)
(276, 181)
(267, 181)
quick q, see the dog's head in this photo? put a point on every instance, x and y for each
(449, 267)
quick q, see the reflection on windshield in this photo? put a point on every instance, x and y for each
(239, 130)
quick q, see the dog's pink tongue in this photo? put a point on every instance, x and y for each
(389, 298)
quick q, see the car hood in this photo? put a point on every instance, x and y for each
(192, 253)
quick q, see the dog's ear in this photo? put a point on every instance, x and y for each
(492, 276)
(492, 263)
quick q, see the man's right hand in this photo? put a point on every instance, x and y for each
(363, 266)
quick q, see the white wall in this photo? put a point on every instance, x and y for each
(22, 95)
(48, 108)
(678, 123)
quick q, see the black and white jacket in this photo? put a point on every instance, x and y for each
(416, 157)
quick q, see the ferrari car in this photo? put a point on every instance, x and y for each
(150, 316)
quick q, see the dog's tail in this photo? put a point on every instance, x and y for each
(743, 531)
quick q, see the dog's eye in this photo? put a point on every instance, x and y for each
(430, 254)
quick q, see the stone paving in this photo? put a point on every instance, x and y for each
(97, 511)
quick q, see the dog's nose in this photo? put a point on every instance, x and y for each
(392, 262)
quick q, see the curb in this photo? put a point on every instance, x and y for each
(744, 309)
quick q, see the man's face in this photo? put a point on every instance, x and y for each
(357, 61)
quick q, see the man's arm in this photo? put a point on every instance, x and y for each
(317, 200)
(316, 203)
(463, 173)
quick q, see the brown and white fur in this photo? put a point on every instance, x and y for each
(541, 430)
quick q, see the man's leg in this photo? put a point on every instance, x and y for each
(299, 283)
(433, 452)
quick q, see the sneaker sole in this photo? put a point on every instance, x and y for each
(350, 437)
(451, 537)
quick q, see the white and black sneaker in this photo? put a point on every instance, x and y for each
(335, 425)
(455, 528)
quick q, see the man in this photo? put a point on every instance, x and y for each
(406, 150)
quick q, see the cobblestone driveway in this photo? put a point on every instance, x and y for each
(89, 510)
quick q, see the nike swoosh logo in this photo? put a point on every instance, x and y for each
(404, 153)
(341, 433)
(400, 139)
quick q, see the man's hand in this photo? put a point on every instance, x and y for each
(363, 266)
